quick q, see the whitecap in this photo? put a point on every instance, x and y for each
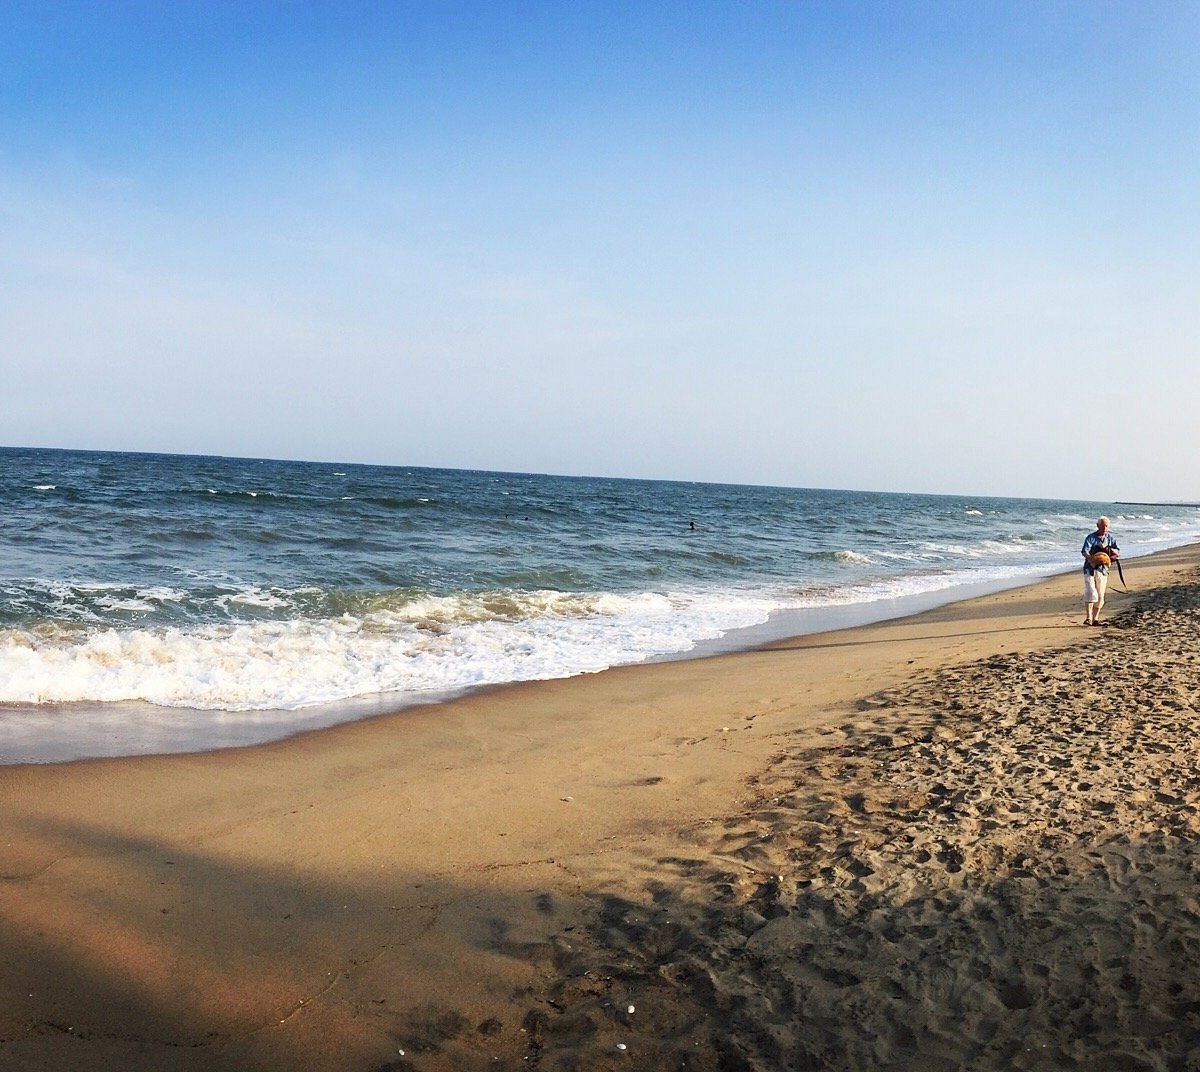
(851, 557)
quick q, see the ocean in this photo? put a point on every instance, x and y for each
(160, 603)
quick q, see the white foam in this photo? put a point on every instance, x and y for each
(431, 645)
(253, 597)
(853, 558)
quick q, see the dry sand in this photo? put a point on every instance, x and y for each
(964, 840)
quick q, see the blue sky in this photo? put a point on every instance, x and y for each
(922, 246)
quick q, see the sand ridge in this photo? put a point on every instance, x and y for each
(993, 867)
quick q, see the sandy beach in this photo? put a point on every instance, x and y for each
(961, 840)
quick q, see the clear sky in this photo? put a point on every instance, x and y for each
(901, 245)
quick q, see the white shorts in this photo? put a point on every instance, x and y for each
(1094, 585)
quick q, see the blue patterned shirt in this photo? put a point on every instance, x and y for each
(1096, 542)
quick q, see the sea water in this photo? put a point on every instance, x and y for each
(160, 602)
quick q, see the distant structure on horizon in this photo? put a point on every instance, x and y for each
(1121, 502)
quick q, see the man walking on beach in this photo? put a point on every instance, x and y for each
(1099, 549)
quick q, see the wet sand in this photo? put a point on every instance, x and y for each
(965, 839)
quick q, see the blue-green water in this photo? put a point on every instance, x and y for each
(232, 585)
